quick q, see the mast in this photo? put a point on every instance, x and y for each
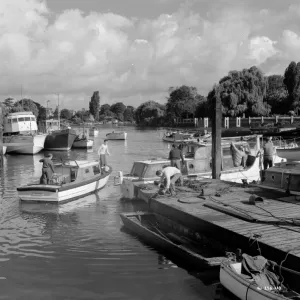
(58, 115)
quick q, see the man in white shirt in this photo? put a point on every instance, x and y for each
(102, 153)
(171, 175)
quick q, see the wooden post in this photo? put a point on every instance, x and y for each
(216, 137)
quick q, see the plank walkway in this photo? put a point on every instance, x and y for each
(277, 221)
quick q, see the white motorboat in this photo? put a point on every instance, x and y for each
(21, 134)
(71, 181)
(252, 283)
(117, 135)
(197, 165)
(173, 137)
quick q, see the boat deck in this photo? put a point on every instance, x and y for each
(226, 214)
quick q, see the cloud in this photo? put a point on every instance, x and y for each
(74, 53)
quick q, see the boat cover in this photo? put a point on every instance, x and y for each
(261, 270)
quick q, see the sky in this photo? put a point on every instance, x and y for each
(132, 51)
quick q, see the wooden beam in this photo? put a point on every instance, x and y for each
(216, 136)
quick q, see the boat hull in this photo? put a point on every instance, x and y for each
(161, 242)
(291, 154)
(24, 144)
(60, 140)
(83, 144)
(116, 136)
(62, 194)
(242, 288)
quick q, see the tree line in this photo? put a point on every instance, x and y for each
(245, 93)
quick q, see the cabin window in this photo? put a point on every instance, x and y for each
(96, 170)
(15, 120)
(137, 169)
(27, 118)
(9, 121)
(21, 119)
(32, 118)
(87, 171)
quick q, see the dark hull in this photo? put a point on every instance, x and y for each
(60, 140)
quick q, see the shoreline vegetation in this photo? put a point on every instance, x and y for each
(246, 93)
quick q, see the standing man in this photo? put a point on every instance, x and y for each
(268, 153)
(102, 153)
(47, 169)
(174, 156)
(170, 175)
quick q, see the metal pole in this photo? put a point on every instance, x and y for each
(58, 115)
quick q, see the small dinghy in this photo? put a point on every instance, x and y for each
(161, 232)
(71, 180)
(120, 135)
(256, 278)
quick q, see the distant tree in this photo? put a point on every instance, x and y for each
(202, 107)
(27, 105)
(243, 92)
(182, 102)
(55, 113)
(118, 109)
(8, 104)
(129, 114)
(277, 94)
(94, 105)
(150, 113)
(66, 114)
(104, 109)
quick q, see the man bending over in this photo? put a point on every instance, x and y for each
(170, 175)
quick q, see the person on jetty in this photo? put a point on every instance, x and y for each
(102, 154)
(47, 169)
(174, 156)
(169, 175)
(269, 151)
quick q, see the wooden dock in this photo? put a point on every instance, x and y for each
(225, 214)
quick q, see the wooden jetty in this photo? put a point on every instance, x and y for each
(225, 214)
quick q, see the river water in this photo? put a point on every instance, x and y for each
(78, 250)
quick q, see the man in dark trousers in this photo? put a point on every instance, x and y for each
(174, 156)
(269, 151)
(47, 169)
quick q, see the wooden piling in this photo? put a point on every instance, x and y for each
(216, 136)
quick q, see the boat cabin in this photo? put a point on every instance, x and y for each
(197, 160)
(75, 171)
(20, 123)
(47, 126)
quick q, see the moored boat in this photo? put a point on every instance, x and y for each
(116, 135)
(161, 232)
(21, 134)
(72, 180)
(173, 137)
(256, 278)
(60, 140)
(198, 165)
(83, 143)
(291, 153)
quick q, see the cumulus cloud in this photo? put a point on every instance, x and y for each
(74, 53)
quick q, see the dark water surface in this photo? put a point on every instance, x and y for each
(78, 250)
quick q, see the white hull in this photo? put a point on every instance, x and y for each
(234, 175)
(242, 288)
(24, 144)
(172, 140)
(116, 136)
(83, 144)
(291, 154)
(62, 196)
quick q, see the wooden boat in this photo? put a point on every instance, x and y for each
(249, 287)
(197, 165)
(161, 232)
(21, 135)
(72, 180)
(119, 135)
